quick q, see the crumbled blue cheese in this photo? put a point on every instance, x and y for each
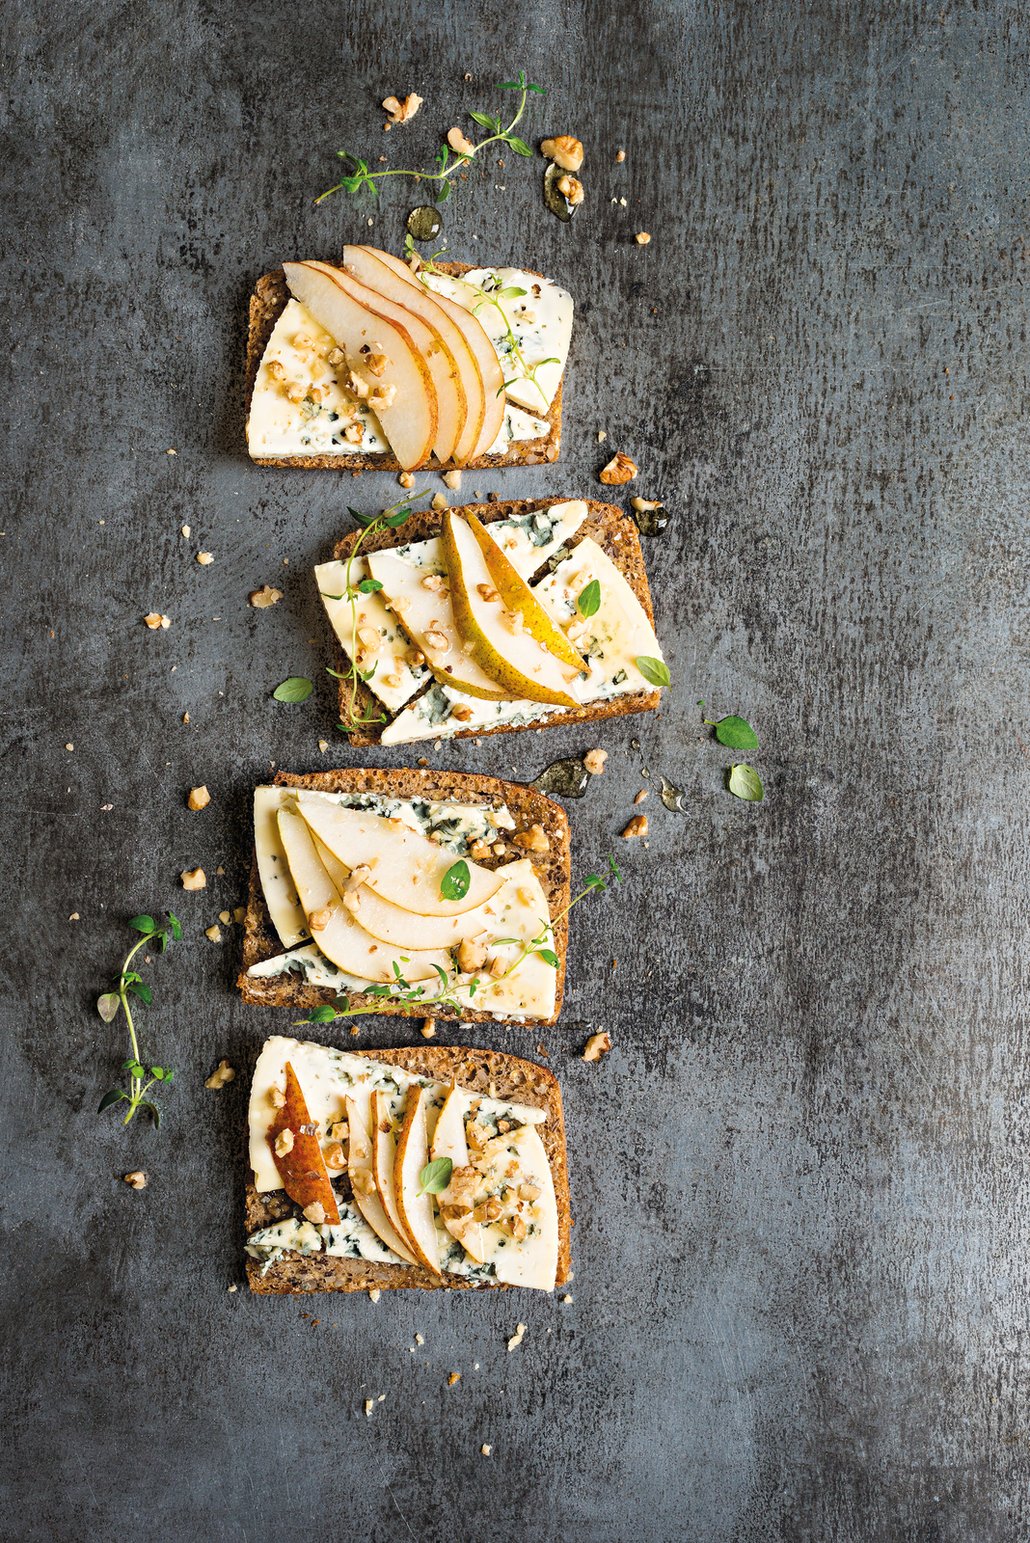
(517, 425)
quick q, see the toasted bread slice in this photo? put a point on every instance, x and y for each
(270, 295)
(481, 1071)
(527, 807)
(613, 531)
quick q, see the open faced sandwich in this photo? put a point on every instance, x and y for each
(426, 1167)
(491, 617)
(371, 363)
(409, 892)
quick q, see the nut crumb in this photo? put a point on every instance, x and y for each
(517, 1337)
(401, 110)
(639, 798)
(594, 761)
(428, 1029)
(458, 142)
(642, 238)
(636, 827)
(602, 435)
(485, 1450)
(453, 1378)
(597, 1046)
(69, 746)
(74, 917)
(213, 933)
(203, 558)
(620, 156)
(620, 469)
(156, 620)
(406, 480)
(232, 1288)
(222, 1074)
(452, 479)
(186, 532)
(439, 501)
(262, 598)
(199, 798)
(136, 1180)
(571, 189)
(374, 1293)
(420, 1339)
(567, 1297)
(194, 878)
(225, 917)
(323, 745)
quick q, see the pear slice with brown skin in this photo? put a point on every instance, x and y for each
(415, 1208)
(384, 1161)
(496, 636)
(518, 596)
(361, 1172)
(301, 1165)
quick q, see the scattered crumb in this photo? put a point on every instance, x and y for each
(428, 1029)
(453, 1378)
(213, 933)
(240, 913)
(485, 1450)
(136, 1180)
(401, 110)
(452, 479)
(406, 480)
(74, 917)
(187, 532)
(420, 1339)
(171, 452)
(369, 1406)
(194, 878)
(262, 598)
(597, 1046)
(323, 745)
(374, 1294)
(69, 746)
(185, 717)
(639, 797)
(517, 1337)
(567, 1297)
(620, 156)
(602, 435)
(220, 871)
(594, 761)
(619, 469)
(439, 501)
(199, 798)
(636, 827)
(381, 1399)
(222, 1074)
(203, 558)
(232, 1288)
(225, 918)
(156, 619)
(642, 238)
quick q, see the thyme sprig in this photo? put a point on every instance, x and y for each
(130, 984)
(389, 519)
(448, 162)
(413, 998)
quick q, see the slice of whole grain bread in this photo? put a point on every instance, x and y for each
(482, 1071)
(267, 301)
(527, 807)
(613, 531)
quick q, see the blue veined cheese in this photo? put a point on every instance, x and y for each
(516, 426)
(540, 321)
(382, 648)
(350, 1238)
(291, 1236)
(299, 406)
(432, 716)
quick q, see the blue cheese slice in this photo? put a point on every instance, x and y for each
(301, 405)
(517, 425)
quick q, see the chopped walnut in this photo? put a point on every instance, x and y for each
(338, 1131)
(597, 1046)
(213, 933)
(262, 598)
(194, 878)
(375, 364)
(155, 620)
(594, 761)
(283, 1143)
(428, 1029)
(277, 1098)
(381, 397)
(199, 798)
(335, 1157)
(620, 469)
(487, 592)
(646, 505)
(471, 955)
(433, 581)
(321, 919)
(642, 238)
(438, 641)
(401, 110)
(222, 1074)
(564, 150)
(136, 1180)
(354, 433)
(362, 1182)
(571, 190)
(532, 840)
(453, 1378)
(452, 479)
(517, 1337)
(315, 1212)
(636, 827)
(479, 850)
(457, 141)
(406, 480)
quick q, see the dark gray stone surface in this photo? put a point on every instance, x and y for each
(799, 1179)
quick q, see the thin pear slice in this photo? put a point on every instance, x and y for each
(366, 265)
(298, 1153)
(517, 596)
(427, 616)
(449, 1141)
(410, 421)
(361, 1172)
(483, 351)
(334, 929)
(403, 866)
(416, 1209)
(494, 634)
(384, 1161)
(452, 406)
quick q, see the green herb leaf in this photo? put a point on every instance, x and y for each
(549, 956)
(144, 924)
(323, 1014)
(369, 586)
(296, 689)
(654, 670)
(108, 1005)
(509, 292)
(435, 1176)
(176, 925)
(142, 991)
(744, 782)
(455, 882)
(518, 145)
(486, 122)
(589, 602)
(737, 733)
(112, 1096)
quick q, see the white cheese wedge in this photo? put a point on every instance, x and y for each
(353, 1238)
(298, 406)
(432, 716)
(382, 648)
(540, 320)
(533, 1260)
(517, 426)
(329, 1076)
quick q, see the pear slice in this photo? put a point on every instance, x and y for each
(410, 421)
(360, 1171)
(482, 349)
(517, 596)
(384, 1161)
(301, 1165)
(452, 406)
(449, 1141)
(495, 635)
(403, 866)
(415, 1208)
(427, 616)
(334, 929)
(366, 265)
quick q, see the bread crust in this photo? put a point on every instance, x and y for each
(527, 806)
(613, 531)
(267, 301)
(514, 1078)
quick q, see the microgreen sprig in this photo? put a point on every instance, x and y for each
(130, 984)
(353, 676)
(448, 162)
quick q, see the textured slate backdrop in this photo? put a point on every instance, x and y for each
(799, 1179)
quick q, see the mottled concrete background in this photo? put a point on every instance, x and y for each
(800, 1177)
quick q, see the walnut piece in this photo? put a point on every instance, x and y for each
(401, 110)
(565, 150)
(136, 1180)
(571, 190)
(194, 878)
(406, 479)
(457, 141)
(283, 1143)
(222, 1074)
(532, 840)
(262, 598)
(636, 827)
(594, 761)
(199, 798)
(646, 505)
(155, 620)
(620, 469)
(471, 955)
(597, 1046)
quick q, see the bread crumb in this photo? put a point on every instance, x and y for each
(602, 435)
(594, 761)
(597, 1046)
(136, 1180)
(194, 878)
(636, 827)
(374, 1293)
(639, 797)
(156, 620)
(213, 933)
(199, 798)
(567, 1297)
(225, 917)
(74, 917)
(262, 598)
(485, 1450)
(517, 1337)
(420, 1339)
(453, 1378)
(185, 717)
(69, 746)
(620, 469)
(222, 1074)
(232, 1288)
(171, 452)
(369, 1406)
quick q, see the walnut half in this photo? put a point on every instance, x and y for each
(620, 469)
